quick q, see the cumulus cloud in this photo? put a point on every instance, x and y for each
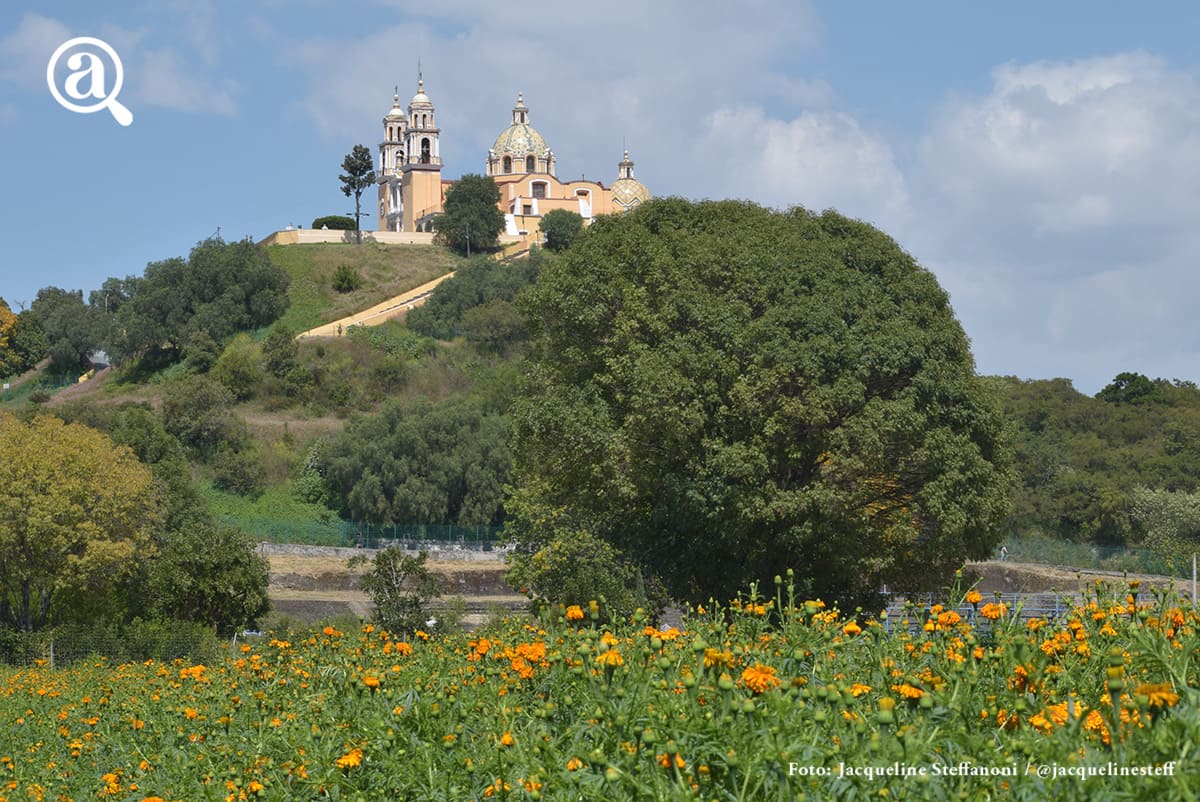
(819, 160)
(594, 76)
(25, 51)
(163, 81)
(160, 77)
(1060, 211)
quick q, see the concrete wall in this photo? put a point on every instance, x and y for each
(312, 236)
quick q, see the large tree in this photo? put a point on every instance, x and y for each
(221, 288)
(196, 570)
(471, 218)
(72, 329)
(75, 516)
(561, 227)
(722, 392)
(358, 175)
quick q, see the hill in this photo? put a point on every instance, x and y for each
(385, 271)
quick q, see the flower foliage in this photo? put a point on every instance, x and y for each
(567, 709)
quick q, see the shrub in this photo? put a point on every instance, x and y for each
(238, 471)
(347, 279)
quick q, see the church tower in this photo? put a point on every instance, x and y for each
(421, 172)
(391, 160)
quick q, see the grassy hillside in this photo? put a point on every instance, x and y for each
(386, 270)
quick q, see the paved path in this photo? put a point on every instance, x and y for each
(379, 313)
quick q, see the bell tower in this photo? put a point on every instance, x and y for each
(421, 175)
(391, 160)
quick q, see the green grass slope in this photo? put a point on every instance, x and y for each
(386, 270)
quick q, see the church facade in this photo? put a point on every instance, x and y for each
(524, 167)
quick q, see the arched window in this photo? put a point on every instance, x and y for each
(508, 164)
(422, 120)
(426, 153)
(537, 189)
(530, 164)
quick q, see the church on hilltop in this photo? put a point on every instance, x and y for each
(411, 187)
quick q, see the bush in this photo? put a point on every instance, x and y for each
(238, 471)
(347, 279)
(238, 367)
(334, 222)
(202, 351)
(196, 411)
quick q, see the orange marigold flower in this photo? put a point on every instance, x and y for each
(610, 659)
(371, 681)
(760, 678)
(858, 689)
(908, 691)
(974, 597)
(715, 657)
(574, 764)
(993, 610)
(851, 628)
(574, 613)
(507, 739)
(349, 760)
(1161, 695)
(330, 631)
(948, 619)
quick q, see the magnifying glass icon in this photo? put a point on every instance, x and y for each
(107, 100)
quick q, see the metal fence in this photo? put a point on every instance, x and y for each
(57, 648)
(916, 609)
(367, 535)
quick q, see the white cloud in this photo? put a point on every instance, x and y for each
(817, 160)
(25, 52)
(593, 75)
(161, 80)
(1059, 210)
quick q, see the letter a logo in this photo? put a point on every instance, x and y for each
(94, 72)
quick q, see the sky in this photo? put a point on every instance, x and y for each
(1041, 159)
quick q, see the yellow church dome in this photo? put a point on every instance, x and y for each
(520, 138)
(627, 191)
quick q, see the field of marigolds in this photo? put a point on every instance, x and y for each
(772, 698)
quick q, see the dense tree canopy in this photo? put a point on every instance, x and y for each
(1080, 458)
(722, 392)
(195, 570)
(72, 329)
(220, 289)
(560, 228)
(22, 343)
(482, 282)
(75, 515)
(443, 464)
(471, 218)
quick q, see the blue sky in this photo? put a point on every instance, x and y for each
(1042, 159)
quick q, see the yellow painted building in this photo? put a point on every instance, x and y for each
(523, 166)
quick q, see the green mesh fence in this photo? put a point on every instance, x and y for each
(365, 535)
